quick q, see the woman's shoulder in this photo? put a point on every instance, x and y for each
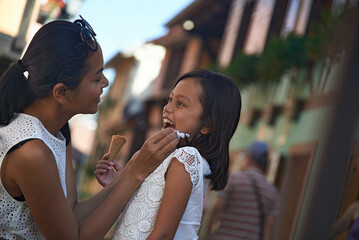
(35, 149)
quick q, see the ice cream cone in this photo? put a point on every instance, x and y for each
(117, 141)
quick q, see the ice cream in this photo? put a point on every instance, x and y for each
(117, 141)
(181, 135)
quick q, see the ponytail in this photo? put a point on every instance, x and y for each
(56, 54)
(13, 92)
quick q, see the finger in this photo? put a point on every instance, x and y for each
(99, 171)
(160, 135)
(103, 166)
(106, 162)
(117, 166)
(169, 148)
(166, 140)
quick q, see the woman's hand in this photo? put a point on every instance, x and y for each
(106, 170)
(153, 152)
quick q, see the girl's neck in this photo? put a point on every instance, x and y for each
(48, 113)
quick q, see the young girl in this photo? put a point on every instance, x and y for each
(59, 76)
(169, 203)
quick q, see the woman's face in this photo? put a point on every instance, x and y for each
(184, 110)
(87, 96)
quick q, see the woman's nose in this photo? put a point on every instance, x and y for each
(105, 82)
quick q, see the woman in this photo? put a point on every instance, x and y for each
(59, 76)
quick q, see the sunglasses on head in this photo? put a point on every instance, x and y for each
(87, 34)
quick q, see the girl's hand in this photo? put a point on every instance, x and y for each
(106, 170)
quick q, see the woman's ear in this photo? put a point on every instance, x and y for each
(61, 93)
(207, 127)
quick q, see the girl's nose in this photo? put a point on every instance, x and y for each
(167, 108)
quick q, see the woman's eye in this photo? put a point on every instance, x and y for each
(180, 103)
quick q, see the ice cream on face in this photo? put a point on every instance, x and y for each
(167, 123)
(182, 135)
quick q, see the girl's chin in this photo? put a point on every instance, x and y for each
(181, 143)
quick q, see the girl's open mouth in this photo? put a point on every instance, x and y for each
(167, 123)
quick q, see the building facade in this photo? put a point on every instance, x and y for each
(290, 103)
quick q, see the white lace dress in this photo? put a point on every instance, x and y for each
(16, 221)
(137, 220)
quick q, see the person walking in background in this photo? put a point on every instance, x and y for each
(169, 204)
(248, 206)
(349, 220)
(59, 76)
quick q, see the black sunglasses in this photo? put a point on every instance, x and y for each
(87, 34)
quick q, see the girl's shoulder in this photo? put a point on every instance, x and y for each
(187, 152)
(193, 162)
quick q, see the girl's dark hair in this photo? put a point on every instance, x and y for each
(56, 54)
(222, 103)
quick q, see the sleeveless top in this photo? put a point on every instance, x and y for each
(16, 221)
(138, 219)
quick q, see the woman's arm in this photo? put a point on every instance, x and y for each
(33, 168)
(85, 207)
(174, 201)
(70, 179)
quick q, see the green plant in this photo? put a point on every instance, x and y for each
(243, 69)
(280, 55)
(324, 41)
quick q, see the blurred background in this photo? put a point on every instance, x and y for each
(295, 62)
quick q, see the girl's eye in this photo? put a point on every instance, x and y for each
(169, 99)
(180, 103)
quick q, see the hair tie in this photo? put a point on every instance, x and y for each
(22, 69)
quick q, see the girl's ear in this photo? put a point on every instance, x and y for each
(61, 93)
(207, 127)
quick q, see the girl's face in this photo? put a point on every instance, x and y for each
(184, 110)
(87, 96)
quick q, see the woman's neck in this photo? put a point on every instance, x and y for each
(49, 113)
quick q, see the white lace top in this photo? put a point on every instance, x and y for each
(137, 220)
(16, 221)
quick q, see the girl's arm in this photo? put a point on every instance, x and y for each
(85, 207)
(33, 169)
(174, 201)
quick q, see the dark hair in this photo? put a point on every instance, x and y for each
(56, 54)
(221, 102)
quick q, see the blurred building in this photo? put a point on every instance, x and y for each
(15, 29)
(293, 108)
(123, 106)
(19, 21)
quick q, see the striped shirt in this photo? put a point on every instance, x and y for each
(241, 217)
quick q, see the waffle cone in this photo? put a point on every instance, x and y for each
(117, 141)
